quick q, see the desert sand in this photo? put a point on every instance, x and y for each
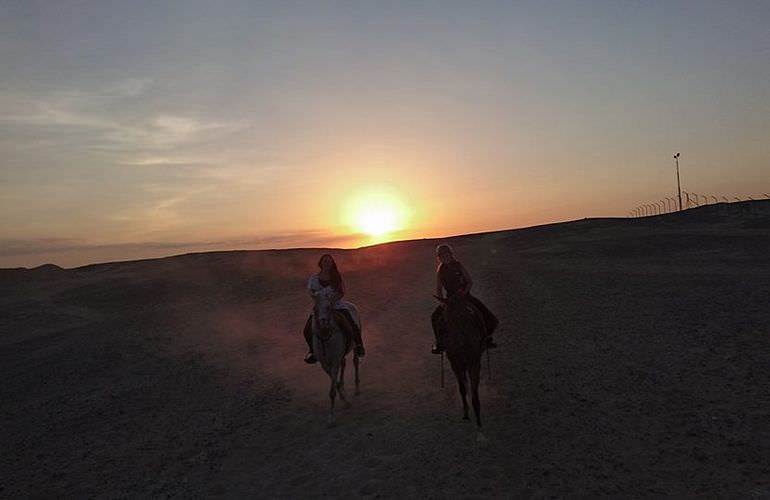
(633, 361)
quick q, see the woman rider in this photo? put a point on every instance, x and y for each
(452, 276)
(330, 279)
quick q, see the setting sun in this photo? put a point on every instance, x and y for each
(377, 221)
(376, 211)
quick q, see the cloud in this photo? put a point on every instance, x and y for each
(162, 208)
(130, 87)
(109, 128)
(169, 129)
(35, 246)
(162, 160)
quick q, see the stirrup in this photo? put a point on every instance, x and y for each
(310, 358)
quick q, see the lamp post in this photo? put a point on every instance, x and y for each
(678, 184)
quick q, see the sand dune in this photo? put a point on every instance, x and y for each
(633, 362)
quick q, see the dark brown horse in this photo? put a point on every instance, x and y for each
(465, 332)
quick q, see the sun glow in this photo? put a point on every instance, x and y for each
(376, 211)
(377, 221)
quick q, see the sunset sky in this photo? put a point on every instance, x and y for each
(143, 129)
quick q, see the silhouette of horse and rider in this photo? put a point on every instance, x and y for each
(462, 326)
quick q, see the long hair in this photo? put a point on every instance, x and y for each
(444, 247)
(336, 277)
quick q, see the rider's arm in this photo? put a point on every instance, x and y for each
(439, 287)
(341, 291)
(468, 280)
(310, 287)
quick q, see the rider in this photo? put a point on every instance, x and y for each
(452, 276)
(329, 279)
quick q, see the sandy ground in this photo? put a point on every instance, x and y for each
(633, 362)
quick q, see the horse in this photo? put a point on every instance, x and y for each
(463, 345)
(331, 346)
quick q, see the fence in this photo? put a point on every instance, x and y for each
(694, 200)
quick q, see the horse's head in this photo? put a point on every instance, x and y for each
(323, 314)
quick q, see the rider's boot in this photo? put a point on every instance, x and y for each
(308, 334)
(438, 347)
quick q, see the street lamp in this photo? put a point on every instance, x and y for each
(678, 185)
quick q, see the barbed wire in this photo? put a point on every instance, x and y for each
(691, 200)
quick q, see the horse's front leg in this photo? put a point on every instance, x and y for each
(332, 391)
(358, 381)
(341, 380)
(474, 374)
(341, 383)
(460, 374)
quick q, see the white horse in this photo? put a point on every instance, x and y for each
(331, 346)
